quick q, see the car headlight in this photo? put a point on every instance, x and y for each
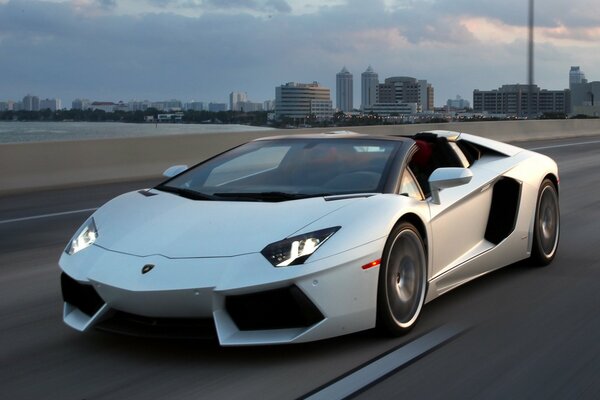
(85, 237)
(295, 250)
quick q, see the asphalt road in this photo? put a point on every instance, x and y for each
(527, 333)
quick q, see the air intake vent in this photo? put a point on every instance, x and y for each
(274, 309)
(81, 296)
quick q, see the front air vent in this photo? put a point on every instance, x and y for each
(84, 297)
(274, 309)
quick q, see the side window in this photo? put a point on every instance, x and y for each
(409, 186)
(463, 159)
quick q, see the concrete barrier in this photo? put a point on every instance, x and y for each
(33, 166)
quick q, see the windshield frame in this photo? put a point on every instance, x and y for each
(397, 149)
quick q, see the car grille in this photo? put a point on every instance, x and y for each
(175, 328)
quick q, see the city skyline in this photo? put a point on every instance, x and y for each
(189, 50)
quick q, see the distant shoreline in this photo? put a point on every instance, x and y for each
(44, 131)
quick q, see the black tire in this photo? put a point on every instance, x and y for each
(546, 229)
(402, 280)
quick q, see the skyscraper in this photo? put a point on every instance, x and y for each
(344, 90)
(368, 87)
(235, 98)
(576, 75)
(31, 103)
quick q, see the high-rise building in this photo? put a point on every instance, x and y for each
(576, 75)
(80, 104)
(458, 103)
(50, 104)
(368, 87)
(217, 107)
(31, 103)
(8, 105)
(585, 98)
(513, 100)
(195, 106)
(249, 106)
(235, 98)
(302, 100)
(344, 90)
(406, 90)
(269, 105)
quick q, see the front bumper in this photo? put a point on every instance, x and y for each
(247, 300)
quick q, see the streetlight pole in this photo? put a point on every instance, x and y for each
(530, 63)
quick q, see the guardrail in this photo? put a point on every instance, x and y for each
(33, 166)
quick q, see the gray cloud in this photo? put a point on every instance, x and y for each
(107, 4)
(49, 49)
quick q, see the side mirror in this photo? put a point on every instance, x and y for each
(443, 178)
(174, 170)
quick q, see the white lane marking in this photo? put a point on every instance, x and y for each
(564, 145)
(387, 364)
(7, 221)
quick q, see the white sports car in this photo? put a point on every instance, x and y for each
(298, 238)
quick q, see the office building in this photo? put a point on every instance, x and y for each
(392, 109)
(31, 103)
(404, 89)
(80, 104)
(269, 105)
(50, 104)
(458, 103)
(7, 105)
(195, 106)
(576, 76)
(344, 90)
(368, 87)
(585, 99)
(217, 107)
(106, 106)
(249, 106)
(301, 100)
(235, 98)
(513, 100)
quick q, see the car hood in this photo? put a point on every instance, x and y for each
(177, 227)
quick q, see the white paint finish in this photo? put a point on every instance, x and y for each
(500, 147)
(178, 227)
(215, 250)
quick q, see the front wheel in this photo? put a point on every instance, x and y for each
(546, 229)
(402, 280)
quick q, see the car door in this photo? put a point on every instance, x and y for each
(459, 221)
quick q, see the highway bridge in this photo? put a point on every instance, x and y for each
(520, 332)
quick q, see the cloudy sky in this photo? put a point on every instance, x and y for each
(203, 49)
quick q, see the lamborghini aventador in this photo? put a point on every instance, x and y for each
(304, 237)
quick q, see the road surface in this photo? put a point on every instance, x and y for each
(523, 332)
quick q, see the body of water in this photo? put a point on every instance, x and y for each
(20, 132)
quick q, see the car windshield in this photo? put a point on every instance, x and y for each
(287, 169)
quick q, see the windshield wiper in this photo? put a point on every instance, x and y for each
(266, 196)
(187, 193)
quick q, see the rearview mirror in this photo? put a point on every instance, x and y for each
(174, 170)
(443, 178)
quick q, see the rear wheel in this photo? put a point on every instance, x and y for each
(546, 231)
(402, 280)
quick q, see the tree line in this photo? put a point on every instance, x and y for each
(258, 118)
